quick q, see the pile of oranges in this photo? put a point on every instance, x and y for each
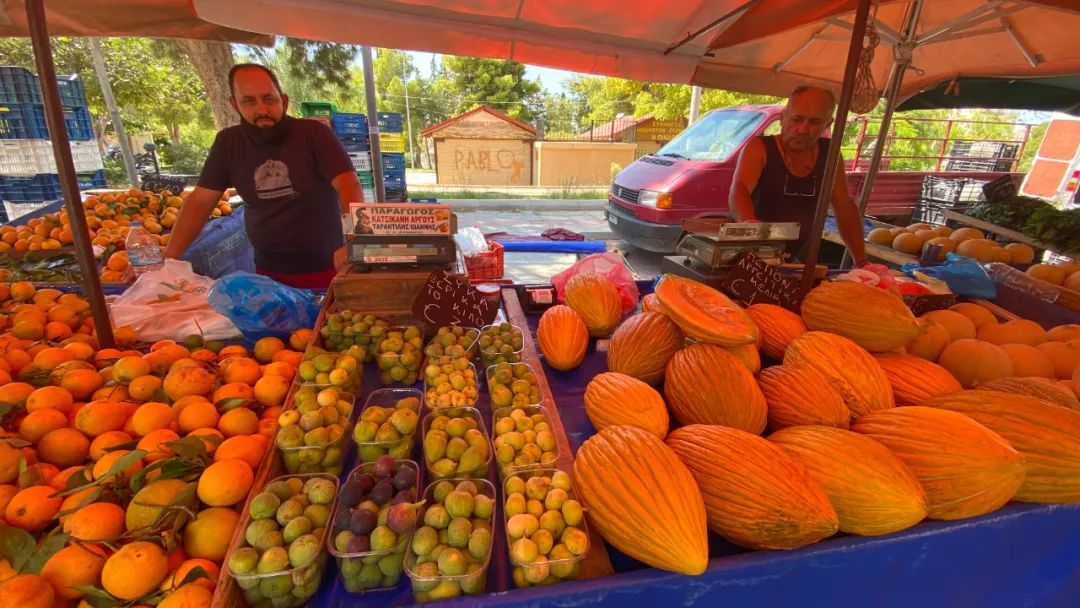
(78, 414)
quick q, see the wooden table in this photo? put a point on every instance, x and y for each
(873, 250)
(1010, 234)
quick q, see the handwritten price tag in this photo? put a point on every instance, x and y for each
(451, 300)
(751, 280)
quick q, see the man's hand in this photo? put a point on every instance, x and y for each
(341, 257)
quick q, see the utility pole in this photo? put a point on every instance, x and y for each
(373, 125)
(110, 102)
(695, 103)
(408, 117)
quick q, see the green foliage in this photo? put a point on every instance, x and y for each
(1035, 218)
(184, 158)
(499, 83)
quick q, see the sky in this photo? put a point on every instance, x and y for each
(552, 80)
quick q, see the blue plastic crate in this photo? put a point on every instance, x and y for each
(394, 181)
(23, 121)
(355, 143)
(396, 195)
(18, 85)
(391, 162)
(72, 92)
(29, 188)
(80, 126)
(389, 122)
(95, 179)
(345, 124)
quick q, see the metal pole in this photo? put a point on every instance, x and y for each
(69, 186)
(835, 142)
(373, 125)
(408, 115)
(114, 111)
(695, 103)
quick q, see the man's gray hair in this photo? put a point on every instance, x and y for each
(807, 88)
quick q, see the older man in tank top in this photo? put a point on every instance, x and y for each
(778, 177)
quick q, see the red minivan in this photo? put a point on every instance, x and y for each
(688, 178)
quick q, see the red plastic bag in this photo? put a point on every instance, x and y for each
(611, 267)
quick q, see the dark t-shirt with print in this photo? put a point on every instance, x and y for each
(292, 214)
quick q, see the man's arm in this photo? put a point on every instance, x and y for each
(349, 191)
(193, 215)
(847, 215)
(747, 174)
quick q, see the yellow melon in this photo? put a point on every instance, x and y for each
(907, 243)
(1063, 333)
(958, 325)
(979, 316)
(982, 250)
(1020, 253)
(1072, 281)
(918, 226)
(1017, 331)
(973, 362)
(964, 234)
(930, 342)
(943, 231)
(1048, 273)
(1029, 361)
(880, 236)
(1065, 355)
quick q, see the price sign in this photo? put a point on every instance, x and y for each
(447, 299)
(158, 182)
(751, 280)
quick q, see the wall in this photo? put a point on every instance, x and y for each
(482, 125)
(483, 162)
(562, 163)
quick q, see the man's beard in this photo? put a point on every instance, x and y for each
(264, 135)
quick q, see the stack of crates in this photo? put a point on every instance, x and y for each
(392, 144)
(352, 130)
(27, 165)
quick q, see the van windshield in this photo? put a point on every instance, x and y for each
(715, 136)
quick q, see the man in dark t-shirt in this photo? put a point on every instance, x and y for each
(777, 178)
(294, 176)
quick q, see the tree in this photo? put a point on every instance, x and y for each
(212, 61)
(496, 82)
(604, 98)
(557, 116)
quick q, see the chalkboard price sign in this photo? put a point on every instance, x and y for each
(157, 183)
(451, 300)
(751, 280)
(1001, 189)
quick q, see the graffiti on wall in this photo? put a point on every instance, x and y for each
(489, 160)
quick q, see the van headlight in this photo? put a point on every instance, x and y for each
(660, 200)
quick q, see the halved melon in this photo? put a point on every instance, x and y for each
(704, 313)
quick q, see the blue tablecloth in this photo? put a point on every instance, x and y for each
(1021, 555)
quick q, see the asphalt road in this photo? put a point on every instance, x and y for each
(538, 267)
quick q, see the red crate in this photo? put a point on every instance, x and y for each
(486, 266)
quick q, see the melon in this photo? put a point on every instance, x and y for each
(973, 362)
(1020, 253)
(943, 231)
(918, 226)
(925, 235)
(1029, 361)
(1070, 266)
(880, 322)
(955, 323)
(798, 396)
(1040, 388)
(895, 232)
(932, 339)
(982, 250)
(1047, 272)
(1063, 333)
(978, 315)
(907, 243)
(852, 371)
(1072, 282)
(947, 246)
(1000, 255)
(1065, 356)
(777, 327)
(965, 234)
(1017, 331)
(880, 236)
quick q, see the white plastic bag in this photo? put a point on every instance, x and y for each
(170, 304)
(471, 241)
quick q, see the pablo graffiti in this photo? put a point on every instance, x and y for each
(488, 160)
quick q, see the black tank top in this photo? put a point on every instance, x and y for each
(783, 197)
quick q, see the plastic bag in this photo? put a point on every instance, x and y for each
(471, 241)
(964, 276)
(262, 307)
(608, 265)
(171, 304)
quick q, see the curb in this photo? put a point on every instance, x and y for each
(525, 204)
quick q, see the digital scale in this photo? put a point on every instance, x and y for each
(713, 244)
(381, 252)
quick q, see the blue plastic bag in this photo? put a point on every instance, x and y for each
(260, 306)
(965, 276)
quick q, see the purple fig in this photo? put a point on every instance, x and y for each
(365, 482)
(405, 478)
(382, 492)
(406, 495)
(362, 522)
(358, 544)
(384, 466)
(402, 517)
(351, 493)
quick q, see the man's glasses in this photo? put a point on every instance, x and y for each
(799, 188)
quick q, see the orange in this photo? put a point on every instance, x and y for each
(22, 291)
(96, 522)
(179, 405)
(144, 388)
(151, 416)
(153, 442)
(197, 415)
(57, 332)
(271, 412)
(5, 377)
(125, 336)
(98, 417)
(225, 483)
(291, 357)
(266, 347)
(141, 557)
(64, 314)
(280, 369)
(102, 466)
(232, 350)
(128, 368)
(27, 591)
(81, 350)
(7, 491)
(107, 356)
(299, 339)
(118, 261)
(249, 448)
(233, 390)
(107, 440)
(64, 447)
(178, 575)
(213, 438)
(29, 330)
(268, 427)
(174, 351)
(38, 424)
(81, 383)
(204, 355)
(15, 393)
(186, 362)
(76, 564)
(238, 421)
(271, 390)
(208, 535)
(51, 357)
(240, 369)
(188, 381)
(60, 480)
(50, 397)
(115, 392)
(9, 462)
(191, 595)
(159, 362)
(148, 504)
(33, 508)
(17, 359)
